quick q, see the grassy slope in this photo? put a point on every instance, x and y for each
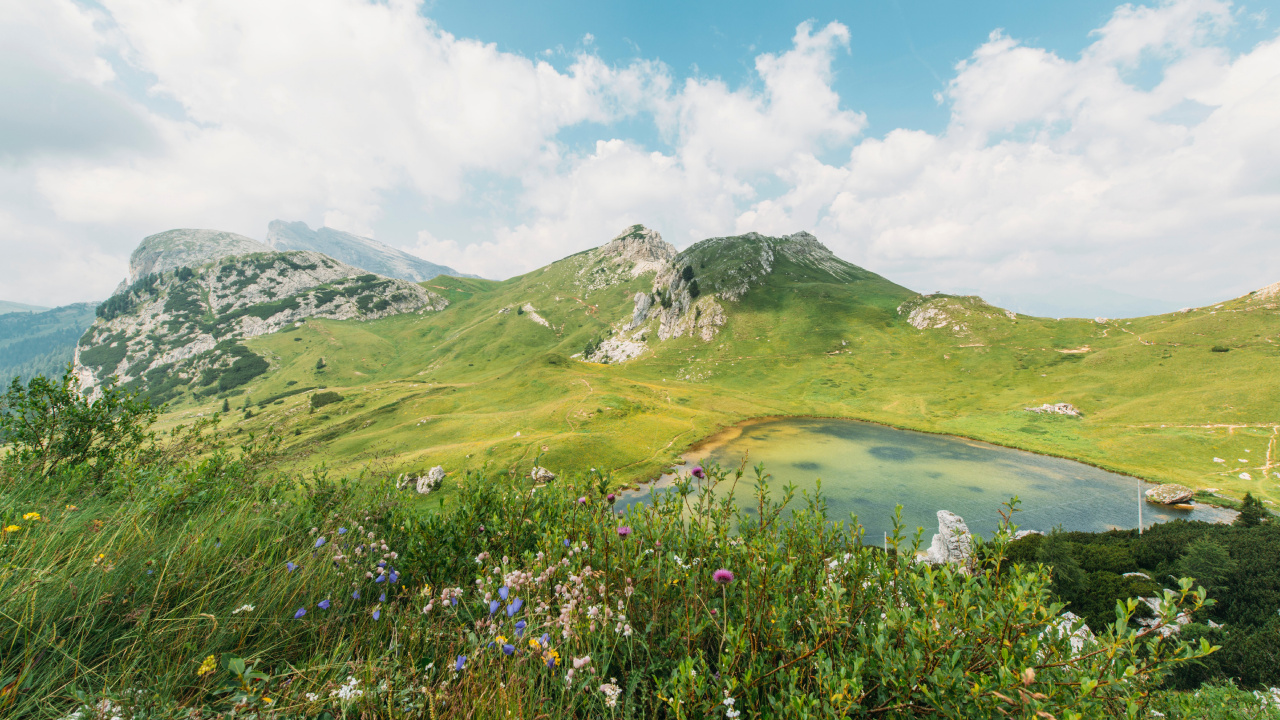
(455, 387)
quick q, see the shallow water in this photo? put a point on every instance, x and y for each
(867, 469)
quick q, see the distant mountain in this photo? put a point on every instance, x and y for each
(9, 307)
(178, 330)
(41, 343)
(361, 252)
(173, 249)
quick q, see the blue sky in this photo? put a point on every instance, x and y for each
(1067, 158)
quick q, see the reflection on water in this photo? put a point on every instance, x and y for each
(867, 469)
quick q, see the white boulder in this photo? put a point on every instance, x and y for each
(952, 543)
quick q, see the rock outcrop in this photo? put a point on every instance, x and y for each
(956, 313)
(431, 481)
(1056, 409)
(541, 474)
(952, 543)
(186, 247)
(354, 250)
(1170, 494)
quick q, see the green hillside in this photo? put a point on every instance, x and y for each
(12, 307)
(484, 382)
(41, 343)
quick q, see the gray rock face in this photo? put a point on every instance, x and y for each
(643, 248)
(643, 302)
(173, 249)
(953, 543)
(431, 481)
(1170, 494)
(1079, 638)
(541, 474)
(1026, 533)
(1056, 409)
(361, 252)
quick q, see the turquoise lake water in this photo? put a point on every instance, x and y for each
(867, 469)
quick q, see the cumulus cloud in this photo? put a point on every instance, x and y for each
(1052, 172)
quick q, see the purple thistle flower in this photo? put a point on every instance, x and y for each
(290, 567)
(503, 592)
(493, 606)
(508, 649)
(611, 497)
(514, 607)
(698, 472)
(377, 613)
(323, 604)
(342, 531)
(582, 501)
(722, 576)
(298, 615)
(520, 626)
(462, 662)
(624, 531)
(320, 542)
(355, 595)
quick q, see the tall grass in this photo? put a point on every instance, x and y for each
(178, 594)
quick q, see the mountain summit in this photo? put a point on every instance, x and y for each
(361, 252)
(186, 247)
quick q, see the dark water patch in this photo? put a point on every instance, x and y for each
(891, 454)
(806, 465)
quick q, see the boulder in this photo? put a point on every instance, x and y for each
(1056, 409)
(541, 474)
(431, 481)
(1024, 533)
(1169, 494)
(1080, 637)
(952, 543)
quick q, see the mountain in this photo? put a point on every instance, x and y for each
(620, 357)
(175, 331)
(9, 307)
(41, 343)
(361, 252)
(173, 249)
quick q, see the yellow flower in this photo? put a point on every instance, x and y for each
(267, 701)
(12, 528)
(209, 665)
(502, 639)
(72, 507)
(31, 516)
(533, 643)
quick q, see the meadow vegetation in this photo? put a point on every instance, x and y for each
(192, 575)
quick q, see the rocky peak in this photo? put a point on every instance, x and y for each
(1268, 292)
(187, 247)
(355, 250)
(642, 247)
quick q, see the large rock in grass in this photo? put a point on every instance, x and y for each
(952, 544)
(1170, 494)
(541, 474)
(431, 481)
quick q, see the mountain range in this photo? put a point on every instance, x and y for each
(621, 356)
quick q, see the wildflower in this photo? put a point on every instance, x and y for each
(320, 542)
(462, 662)
(493, 606)
(298, 615)
(508, 649)
(323, 604)
(566, 542)
(514, 607)
(545, 639)
(312, 697)
(520, 626)
(624, 531)
(342, 531)
(582, 501)
(355, 595)
(698, 472)
(290, 567)
(611, 692)
(12, 528)
(611, 497)
(579, 663)
(722, 576)
(380, 578)
(382, 597)
(377, 613)
(242, 608)
(209, 665)
(72, 508)
(395, 576)
(266, 700)
(31, 516)
(553, 658)
(503, 592)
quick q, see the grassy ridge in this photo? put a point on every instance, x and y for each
(473, 385)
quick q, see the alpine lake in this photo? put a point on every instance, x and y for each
(867, 469)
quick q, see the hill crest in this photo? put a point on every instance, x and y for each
(355, 250)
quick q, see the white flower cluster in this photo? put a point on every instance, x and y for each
(729, 712)
(611, 692)
(347, 691)
(104, 710)
(242, 608)
(1268, 698)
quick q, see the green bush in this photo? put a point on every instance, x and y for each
(320, 399)
(242, 371)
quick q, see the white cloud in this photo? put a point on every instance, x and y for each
(1052, 170)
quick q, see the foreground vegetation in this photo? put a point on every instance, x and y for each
(182, 577)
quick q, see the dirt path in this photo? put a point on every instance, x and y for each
(569, 414)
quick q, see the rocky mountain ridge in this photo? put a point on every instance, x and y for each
(355, 250)
(186, 247)
(172, 329)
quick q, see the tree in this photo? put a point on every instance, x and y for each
(1252, 513)
(51, 425)
(320, 364)
(226, 405)
(1208, 562)
(687, 273)
(1057, 552)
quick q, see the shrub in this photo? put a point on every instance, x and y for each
(320, 399)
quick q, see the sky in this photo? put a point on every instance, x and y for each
(1080, 158)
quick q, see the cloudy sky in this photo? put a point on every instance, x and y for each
(1079, 158)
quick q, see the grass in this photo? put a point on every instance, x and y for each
(455, 387)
